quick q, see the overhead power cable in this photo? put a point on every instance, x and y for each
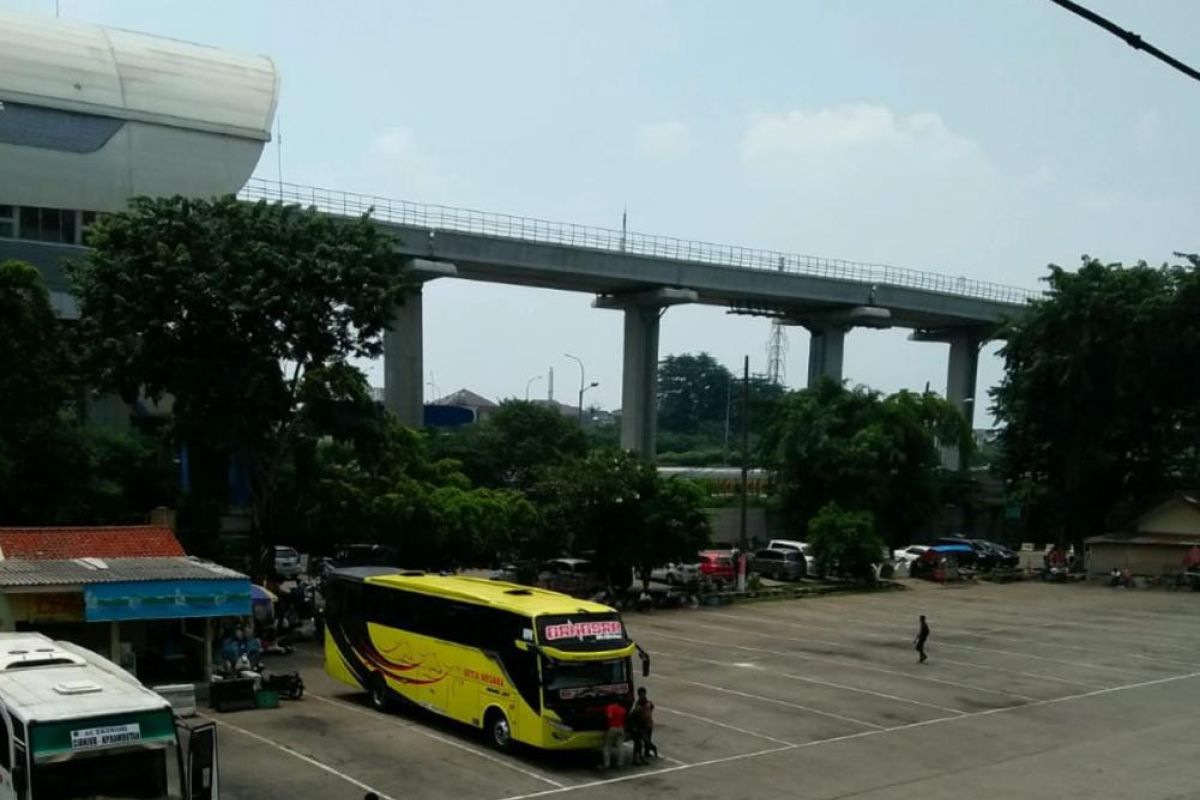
(1129, 37)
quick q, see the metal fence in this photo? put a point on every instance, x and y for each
(531, 229)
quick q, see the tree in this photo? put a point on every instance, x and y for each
(513, 444)
(38, 452)
(862, 450)
(692, 390)
(1100, 403)
(676, 526)
(227, 307)
(617, 509)
(844, 542)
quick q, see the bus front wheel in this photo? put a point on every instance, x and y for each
(499, 732)
(379, 693)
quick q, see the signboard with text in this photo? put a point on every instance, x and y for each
(105, 602)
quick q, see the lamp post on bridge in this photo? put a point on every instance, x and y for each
(529, 383)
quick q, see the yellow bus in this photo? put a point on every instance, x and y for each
(521, 664)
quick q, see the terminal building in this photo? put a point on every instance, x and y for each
(92, 116)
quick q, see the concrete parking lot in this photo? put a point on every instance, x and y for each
(1031, 691)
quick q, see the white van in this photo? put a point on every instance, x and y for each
(74, 725)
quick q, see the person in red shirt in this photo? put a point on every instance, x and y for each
(614, 735)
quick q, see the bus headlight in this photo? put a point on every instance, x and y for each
(558, 726)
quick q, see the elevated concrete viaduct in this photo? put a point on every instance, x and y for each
(642, 276)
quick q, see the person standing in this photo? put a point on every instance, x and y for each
(644, 709)
(922, 637)
(614, 735)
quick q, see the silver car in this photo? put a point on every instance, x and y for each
(781, 565)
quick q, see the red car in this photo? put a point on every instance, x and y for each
(717, 565)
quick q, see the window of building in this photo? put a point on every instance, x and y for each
(7, 223)
(48, 224)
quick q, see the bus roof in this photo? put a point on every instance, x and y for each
(44, 680)
(524, 600)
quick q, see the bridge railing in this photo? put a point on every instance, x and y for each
(531, 229)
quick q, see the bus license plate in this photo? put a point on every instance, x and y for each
(107, 736)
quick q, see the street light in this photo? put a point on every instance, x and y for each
(582, 383)
(529, 383)
(591, 385)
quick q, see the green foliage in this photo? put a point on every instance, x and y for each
(692, 390)
(863, 450)
(34, 369)
(512, 445)
(698, 398)
(230, 308)
(380, 484)
(1099, 401)
(844, 542)
(616, 508)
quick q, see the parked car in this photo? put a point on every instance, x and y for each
(287, 562)
(810, 563)
(367, 555)
(676, 572)
(999, 555)
(781, 564)
(576, 576)
(717, 565)
(906, 556)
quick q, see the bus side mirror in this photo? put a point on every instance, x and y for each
(521, 644)
(642, 654)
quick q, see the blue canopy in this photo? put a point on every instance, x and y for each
(952, 548)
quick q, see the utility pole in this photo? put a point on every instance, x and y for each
(742, 541)
(728, 413)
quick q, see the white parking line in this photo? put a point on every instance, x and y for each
(726, 725)
(942, 643)
(816, 681)
(772, 700)
(298, 755)
(437, 737)
(889, 637)
(859, 735)
(852, 665)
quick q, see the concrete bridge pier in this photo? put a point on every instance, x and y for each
(403, 346)
(962, 370)
(827, 329)
(826, 352)
(963, 364)
(639, 379)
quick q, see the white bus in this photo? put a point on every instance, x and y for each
(75, 726)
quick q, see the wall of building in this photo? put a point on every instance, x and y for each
(1140, 559)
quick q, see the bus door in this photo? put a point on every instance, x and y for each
(7, 783)
(198, 744)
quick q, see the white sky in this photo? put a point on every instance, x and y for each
(977, 139)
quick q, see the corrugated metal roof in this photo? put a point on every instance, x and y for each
(75, 572)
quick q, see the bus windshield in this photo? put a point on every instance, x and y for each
(144, 773)
(571, 680)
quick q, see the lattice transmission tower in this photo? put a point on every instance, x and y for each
(777, 347)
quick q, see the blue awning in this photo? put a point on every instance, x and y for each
(951, 548)
(179, 599)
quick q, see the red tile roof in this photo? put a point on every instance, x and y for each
(136, 541)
